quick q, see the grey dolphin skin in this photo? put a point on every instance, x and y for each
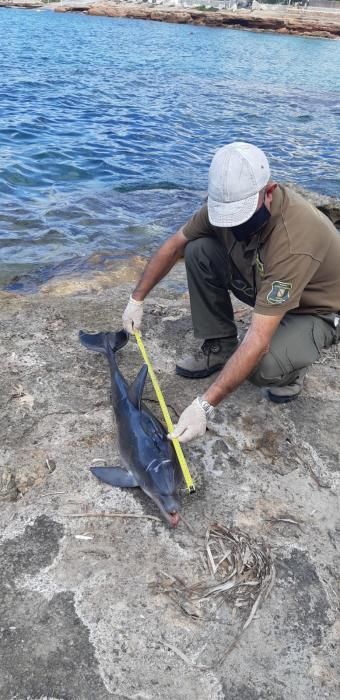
(148, 457)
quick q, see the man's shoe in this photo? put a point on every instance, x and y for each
(283, 394)
(210, 358)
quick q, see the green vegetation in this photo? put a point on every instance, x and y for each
(205, 8)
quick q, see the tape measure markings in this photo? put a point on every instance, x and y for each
(168, 421)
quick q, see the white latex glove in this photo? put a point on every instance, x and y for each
(132, 316)
(192, 423)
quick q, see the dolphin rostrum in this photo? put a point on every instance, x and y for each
(148, 456)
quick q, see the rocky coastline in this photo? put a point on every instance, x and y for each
(311, 23)
(241, 19)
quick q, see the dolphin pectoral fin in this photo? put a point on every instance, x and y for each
(115, 476)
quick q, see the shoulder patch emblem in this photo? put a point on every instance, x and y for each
(279, 292)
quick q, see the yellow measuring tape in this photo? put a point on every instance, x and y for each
(187, 477)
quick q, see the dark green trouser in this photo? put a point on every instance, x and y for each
(297, 342)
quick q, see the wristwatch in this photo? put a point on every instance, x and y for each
(207, 407)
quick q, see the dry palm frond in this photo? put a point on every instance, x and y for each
(242, 572)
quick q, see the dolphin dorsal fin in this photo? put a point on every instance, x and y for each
(135, 390)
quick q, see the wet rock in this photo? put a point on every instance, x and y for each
(306, 616)
(44, 646)
(31, 551)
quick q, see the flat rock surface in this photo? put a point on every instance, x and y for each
(79, 619)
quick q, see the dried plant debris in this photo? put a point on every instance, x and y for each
(242, 574)
(243, 569)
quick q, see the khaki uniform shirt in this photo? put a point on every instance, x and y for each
(292, 264)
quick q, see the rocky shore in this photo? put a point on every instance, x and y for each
(289, 20)
(267, 21)
(79, 617)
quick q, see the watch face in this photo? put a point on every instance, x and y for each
(207, 408)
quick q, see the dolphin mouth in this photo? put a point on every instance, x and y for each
(173, 518)
(169, 511)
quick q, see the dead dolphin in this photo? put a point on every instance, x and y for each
(148, 456)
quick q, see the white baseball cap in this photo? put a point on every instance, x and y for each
(237, 173)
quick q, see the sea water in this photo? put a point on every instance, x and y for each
(108, 126)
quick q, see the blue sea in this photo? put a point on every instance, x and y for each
(108, 126)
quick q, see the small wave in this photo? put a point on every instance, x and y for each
(149, 186)
(105, 142)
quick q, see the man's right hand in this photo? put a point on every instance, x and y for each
(132, 316)
(158, 266)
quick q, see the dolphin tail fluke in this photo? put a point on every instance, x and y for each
(102, 342)
(117, 340)
(93, 341)
(108, 344)
(115, 476)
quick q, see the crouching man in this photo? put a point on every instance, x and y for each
(276, 253)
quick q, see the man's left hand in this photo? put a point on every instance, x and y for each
(192, 423)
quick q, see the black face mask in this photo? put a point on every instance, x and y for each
(253, 225)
